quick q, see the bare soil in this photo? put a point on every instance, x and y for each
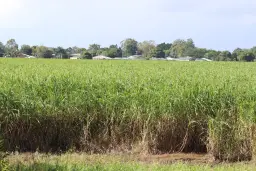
(190, 158)
(178, 157)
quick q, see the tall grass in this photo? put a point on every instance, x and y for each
(153, 106)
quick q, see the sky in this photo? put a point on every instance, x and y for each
(213, 24)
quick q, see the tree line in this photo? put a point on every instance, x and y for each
(129, 47)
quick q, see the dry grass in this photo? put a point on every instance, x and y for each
(113, 162)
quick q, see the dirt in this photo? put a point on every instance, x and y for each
(178, 157)
(190, 158)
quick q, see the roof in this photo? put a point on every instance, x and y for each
(135, 57)
(74, 57)
(158, 58)
(188, 58)
(120, 58)
(205, 59)
(101, 57)
(30, 57)
(75, 54)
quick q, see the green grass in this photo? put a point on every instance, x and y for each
(153, 106)
(130, 167)
(112, 163)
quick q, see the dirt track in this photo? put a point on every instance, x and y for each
(178, 157)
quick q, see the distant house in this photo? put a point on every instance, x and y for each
(188, 58)
(23, 55)
(205, 59)
(180, 59)
(75, 56)
(158, 59)
(170, 59)
(120, 58)
(30, 57)
(135, 57)
(101, 57)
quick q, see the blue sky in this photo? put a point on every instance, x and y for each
(215, 24)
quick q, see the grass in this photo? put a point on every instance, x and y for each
(81, 162)
(129, 167)
(142, 106)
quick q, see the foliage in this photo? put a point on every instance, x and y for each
(211, 54)
(2, 49)
(246, 55)
(129, 47)
(86, 55)
(12, 48)
(43, 52)
(34, 50)
(26, 49)
(224, 56)
(181, 47)
(154, 52)
(236, 53)
(164, 46)
(167, 53)
(195, 52)
(147, 48)
(93, 49)
(113, 51)
(60, 53)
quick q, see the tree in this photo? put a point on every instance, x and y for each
(159, 53)
(43, 52)
(181, 47)
(26, 49)
(2, 49)
(195, 52)
(112, 52)
(190, 43)
(147, 48)
(246, 55)
(224, 56)
(69, 52)
(60, 53)
(167, 52)
(12, 48)
(211, 54)
(163, 50)
(189, 52)
(236, 53)
(164, 46)
(253, 50)
(75, 50)
(129, 47)
(86, 55)
(113, 46)
(80, 50)
(93, 48)
(34, 51)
